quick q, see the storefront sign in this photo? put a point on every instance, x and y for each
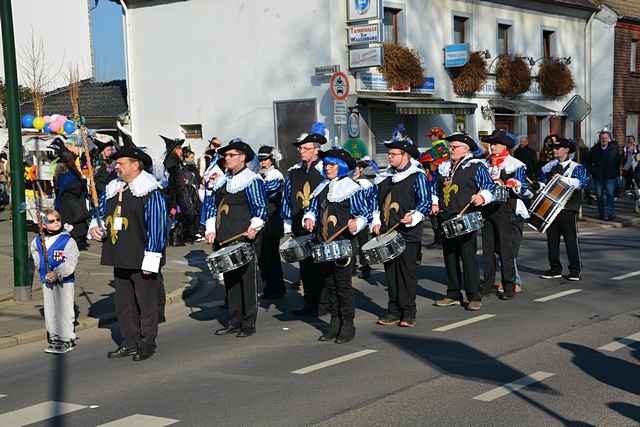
(489, 90)
(324, 70)
(375, 82)
(361, 10)
(364, 33)
(456, 55)
(366, 57)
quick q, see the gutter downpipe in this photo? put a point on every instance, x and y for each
(129, 63)
(587, 74)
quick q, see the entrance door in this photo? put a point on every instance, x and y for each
(292, 118)
(533, 132)
(505, 122)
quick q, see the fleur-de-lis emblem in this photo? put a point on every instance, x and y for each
(448, 189)
(389, 205)
(223, 208)
(114, 233)
(326, 220)
(304, 195)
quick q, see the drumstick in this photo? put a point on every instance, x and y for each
(231, 239)
(337, 233)
(464, 209)
(391, 229)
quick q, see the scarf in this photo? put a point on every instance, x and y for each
(497, 159)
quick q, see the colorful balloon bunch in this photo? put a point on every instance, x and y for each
(55, 123)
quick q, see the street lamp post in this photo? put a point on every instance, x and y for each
(22, 289)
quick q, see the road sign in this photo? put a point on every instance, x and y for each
(339, 108)
(340, 119)
(339, 86)
(577, 109)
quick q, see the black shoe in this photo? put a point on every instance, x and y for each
(246, 332)
(574, 277)
(142, 355)
(611, 218)
(228, 330)
(506, 296)
(434, 245)
(550, 274)
(332, 330)
(365, 272)
(347, 332)
(121, 352)
(306, 311)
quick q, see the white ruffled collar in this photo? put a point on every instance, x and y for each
(241, 180)
(340, 189)
(300, 165)
(271, 174)
(414, 167)
(509, 164)
(142, 185)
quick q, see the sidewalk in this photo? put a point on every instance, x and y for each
(625, 215)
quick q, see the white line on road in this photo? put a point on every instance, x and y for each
(2, 395)
(139, 420)
(332, 362)
(626, 276)
(558, 295)
(464, 322)
(39, 412)
(621, 343)
(506, 389)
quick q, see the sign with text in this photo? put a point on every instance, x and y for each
(364, 34)
(327, 69)
(366, 57)
(456, 55)
(375, 82)
(363, 10)
(339, 108)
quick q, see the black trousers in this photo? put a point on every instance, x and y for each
(312, 282)
(437, 230)
(462, 250)
(497, 238)
(268, 254)
(336, 277)
(402, 281)
(136, 301)
(242, 295)
(564, 226)
(361, 239)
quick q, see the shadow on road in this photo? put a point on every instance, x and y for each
(627, 410)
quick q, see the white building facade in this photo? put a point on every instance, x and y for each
(203, 68)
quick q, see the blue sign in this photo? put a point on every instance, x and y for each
(362, 6)
(428, 86)
(456, 55)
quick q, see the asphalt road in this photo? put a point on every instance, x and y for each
(572, 359)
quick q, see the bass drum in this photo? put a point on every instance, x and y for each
(549, 202)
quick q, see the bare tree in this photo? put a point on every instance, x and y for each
(37, 72)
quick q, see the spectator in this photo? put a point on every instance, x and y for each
(629, 161)
(528, 156)
(604, 166)
(546, 154)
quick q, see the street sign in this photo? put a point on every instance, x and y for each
(364, 34)
(456, 55)
(339, 86)
(371, 56)
(339, 107)
(340, 119)
(323, 70)
(577, 109)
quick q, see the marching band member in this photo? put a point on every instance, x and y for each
(302, 179)
(497, 235)
(237, 209)
(404, 196)
(462, 180)
(136, 223)
(564, 224)
(336, 202)
(269, 256)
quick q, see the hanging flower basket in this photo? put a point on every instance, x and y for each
(401, 68)
(555, 78)
(469, 78)
(513, 76)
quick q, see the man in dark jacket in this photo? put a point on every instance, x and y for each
(528, 156)
(604, 166)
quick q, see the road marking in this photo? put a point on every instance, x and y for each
(558, 295)
(621, 343)
(2, 396)
(506, 389)
(626, 276)
(464, 322)
(90, 254)
(335, 361)
(39, 412)
(139, 420)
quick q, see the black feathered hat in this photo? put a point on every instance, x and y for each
(134, 153)
(340, 153)
(240, 145)
(502, 137)
(402, 142)
(565, 143)
(318, 135)
(171, 143)
(465, 139)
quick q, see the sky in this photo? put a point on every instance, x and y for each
(108, 42)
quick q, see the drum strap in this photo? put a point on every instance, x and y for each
(569, 171)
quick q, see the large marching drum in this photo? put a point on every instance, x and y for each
(549, 202)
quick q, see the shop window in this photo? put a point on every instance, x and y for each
(391, 25)
(504, 35)
(292, 118)
(548, 42)
(633, 64)
(192, 131)
(632, 125)
(460, 29)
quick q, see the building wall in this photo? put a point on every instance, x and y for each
(63, 26)
(626, 84)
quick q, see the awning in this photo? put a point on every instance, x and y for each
(522, 108)
(422, 106)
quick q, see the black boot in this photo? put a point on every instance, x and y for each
(332, 331)
(347, 331)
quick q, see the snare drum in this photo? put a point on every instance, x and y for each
(501, 194)
(549, 202)
(331, 251)
(383, 248)
(461, 225)
(296, 249)
(230, 258)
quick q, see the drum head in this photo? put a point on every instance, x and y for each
(379, 241)
(230, 249)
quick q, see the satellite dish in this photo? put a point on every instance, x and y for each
(577, 109)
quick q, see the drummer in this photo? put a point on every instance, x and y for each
(370, 192)
(236, 212)
(339, 209)
(404, 199)
(463, 181)
(497, 233)
(564, 225)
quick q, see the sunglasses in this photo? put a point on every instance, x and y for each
(49, 220)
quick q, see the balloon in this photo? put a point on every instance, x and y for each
(47, 119)
(38, 123)
(69, 126)
(27, 121)
(61, 130)
(54, 125)
(47, 128)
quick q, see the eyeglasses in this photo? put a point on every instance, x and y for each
(306, 148)
(390, 154)
(455, 147)
(49, 220)
(232, 155)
